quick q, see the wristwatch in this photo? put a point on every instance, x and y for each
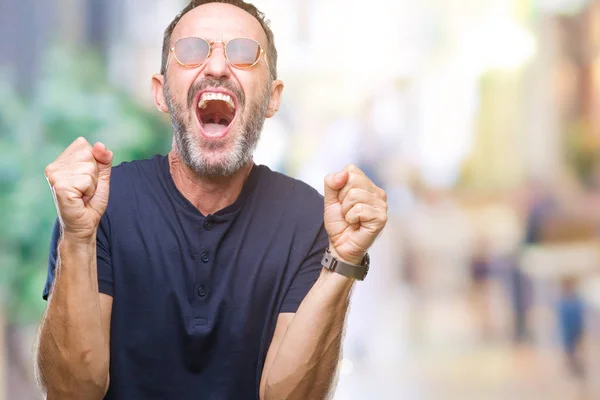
(358, 272)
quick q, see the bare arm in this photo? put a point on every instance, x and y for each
(304, 354)
(302, 360)
(73, 350)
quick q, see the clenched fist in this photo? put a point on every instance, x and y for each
(355, 213)
(79, 180)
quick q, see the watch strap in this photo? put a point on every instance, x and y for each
(358, 272)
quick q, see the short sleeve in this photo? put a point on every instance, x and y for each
(54, 239)
(307, 274)
(104, 264)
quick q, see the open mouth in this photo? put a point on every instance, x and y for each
(216, 112)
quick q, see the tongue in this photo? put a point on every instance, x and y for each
(212, 130)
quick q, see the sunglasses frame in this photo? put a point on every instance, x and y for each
(210, 49)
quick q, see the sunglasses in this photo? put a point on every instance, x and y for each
(242, 53)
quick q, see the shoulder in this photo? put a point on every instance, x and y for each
(136, 168)
(290, 193)
(137, 174)
(131, 181)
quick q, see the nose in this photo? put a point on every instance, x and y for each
(216, 65)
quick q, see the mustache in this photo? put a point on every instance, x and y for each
(216, 83)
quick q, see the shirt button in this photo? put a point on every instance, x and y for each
(208, 225)
(201, 291)
(205, 257)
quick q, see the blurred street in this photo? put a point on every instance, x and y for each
(401, 347)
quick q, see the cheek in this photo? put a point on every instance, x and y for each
(251, 82)
(179, 84)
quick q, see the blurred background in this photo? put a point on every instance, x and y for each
(481, 119)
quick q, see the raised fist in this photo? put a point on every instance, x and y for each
(79, 180)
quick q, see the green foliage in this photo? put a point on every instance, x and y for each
(72, 99)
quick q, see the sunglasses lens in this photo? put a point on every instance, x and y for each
(242, 52)
(191, 51)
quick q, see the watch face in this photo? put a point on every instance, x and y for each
(367, 263)
(366, 260)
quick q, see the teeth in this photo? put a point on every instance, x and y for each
(208, 96)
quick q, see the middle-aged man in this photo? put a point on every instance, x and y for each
(205, 276)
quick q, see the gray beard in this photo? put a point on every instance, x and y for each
(194, 153)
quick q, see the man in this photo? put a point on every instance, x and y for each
(202, 277)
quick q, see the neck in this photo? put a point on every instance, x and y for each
(207, 194)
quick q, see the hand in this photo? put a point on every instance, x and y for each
(79, 180)
(355, 213)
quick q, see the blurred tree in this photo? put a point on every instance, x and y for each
(73, 98)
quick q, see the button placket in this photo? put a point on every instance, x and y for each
(209, 236)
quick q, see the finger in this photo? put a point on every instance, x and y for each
(78, 144)
(353, 169)
(105, 159)
(363, 214)
(357, 180)
(85, 184)
(333, 183)
(89, 168)
(69, 163)
(78, 151)
(78, 186)
(355, 196)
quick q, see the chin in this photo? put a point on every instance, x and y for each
(225, 160)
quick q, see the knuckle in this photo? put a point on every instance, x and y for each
(60, 186)
(353, 194)
(374, 197)
(353, 179)
(88, 179)
(49, 170)
(86, 153)
(383, 215)
(81, 141)
(383, 195)
(354, 168)
(88, 183)
(90, 169)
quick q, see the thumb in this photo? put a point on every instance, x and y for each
(104, 158)
(333, 183)
(102, 155)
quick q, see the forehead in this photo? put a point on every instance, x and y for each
(218, 21)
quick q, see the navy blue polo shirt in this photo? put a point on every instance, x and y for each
(196, 298)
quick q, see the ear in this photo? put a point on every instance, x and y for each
(276, 89)
(158, 91)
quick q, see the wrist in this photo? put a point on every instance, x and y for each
(74, 242)
(348, 266)
(352, 260)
